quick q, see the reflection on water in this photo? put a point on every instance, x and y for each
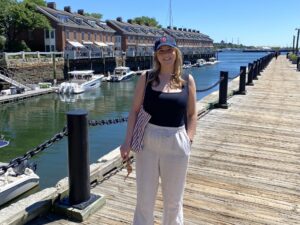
(30, 122)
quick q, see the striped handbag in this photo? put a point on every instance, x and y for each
(138, 132)
(141, 121)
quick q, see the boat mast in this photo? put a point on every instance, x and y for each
(170, 15)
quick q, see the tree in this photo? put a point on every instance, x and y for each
(95, 15)
(19, 17)
(35, 2)
(144, 20)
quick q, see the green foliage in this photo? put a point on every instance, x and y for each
(35, 2)
(17, 46)
(144, 20)
(293, 57)
(18, 17)
(94, 15)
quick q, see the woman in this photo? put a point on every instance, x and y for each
(171, 101)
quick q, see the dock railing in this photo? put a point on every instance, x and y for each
(15, 58)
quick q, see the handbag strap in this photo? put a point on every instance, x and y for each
(146, 82)
(186, 78)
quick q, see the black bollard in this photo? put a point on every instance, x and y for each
(250, 74)
(223, 90)
(254, 73)
(298, 63)
(242, 88)
(79, 169)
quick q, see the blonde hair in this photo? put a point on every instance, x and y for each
(176, 80)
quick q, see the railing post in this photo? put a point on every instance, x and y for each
(254, 74)
(250, 74)
(79, 170)
(242, 88)
(223, 90)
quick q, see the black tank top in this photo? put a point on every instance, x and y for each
(167, 109)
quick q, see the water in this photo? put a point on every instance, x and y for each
(30, 122)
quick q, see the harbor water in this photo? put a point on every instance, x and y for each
(30, 122)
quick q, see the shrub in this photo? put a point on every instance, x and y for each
(293, 57)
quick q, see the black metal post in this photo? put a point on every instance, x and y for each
(297, 42)
(254, 74)
(298, 63)
(79, 169)
(258, 67)
(223, 90)
(250, 74)
(293, 44)
(242, 88)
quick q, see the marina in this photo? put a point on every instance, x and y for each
(243, 166)
(29, 122)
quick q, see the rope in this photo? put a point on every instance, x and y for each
(206, 89)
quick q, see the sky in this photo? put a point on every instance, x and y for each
(248, 22)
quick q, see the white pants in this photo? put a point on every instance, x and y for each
(165, 154)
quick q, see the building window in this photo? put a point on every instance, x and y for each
(47, 33)
(52, 34)
(95, 37)
(63, 18)
(75, 35)
(52, 48)
(89, 36)
(82, 36)
(68, 34)
(47, 48)
(78, 20)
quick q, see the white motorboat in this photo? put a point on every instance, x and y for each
(186, 65)
(80, 81)
(201, 62)
(13, 184)
(212, 61)
(121, 73)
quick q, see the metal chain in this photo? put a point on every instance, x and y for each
(215, 84)
(57, 137)
(18, 160)
(107, 122)
(111, 173)
(231, 78)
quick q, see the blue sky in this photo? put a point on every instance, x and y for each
(249, 22)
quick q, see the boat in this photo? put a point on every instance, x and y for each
(3, 142)
(200, 62)
(212, 61)
(16, 181)
(186, 65)
(80, 81)
(121, 73)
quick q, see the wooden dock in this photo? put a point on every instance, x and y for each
(244, 167)
(27, 94)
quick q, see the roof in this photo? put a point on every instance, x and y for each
(135, 29)
(81, 72)
(74, 20)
